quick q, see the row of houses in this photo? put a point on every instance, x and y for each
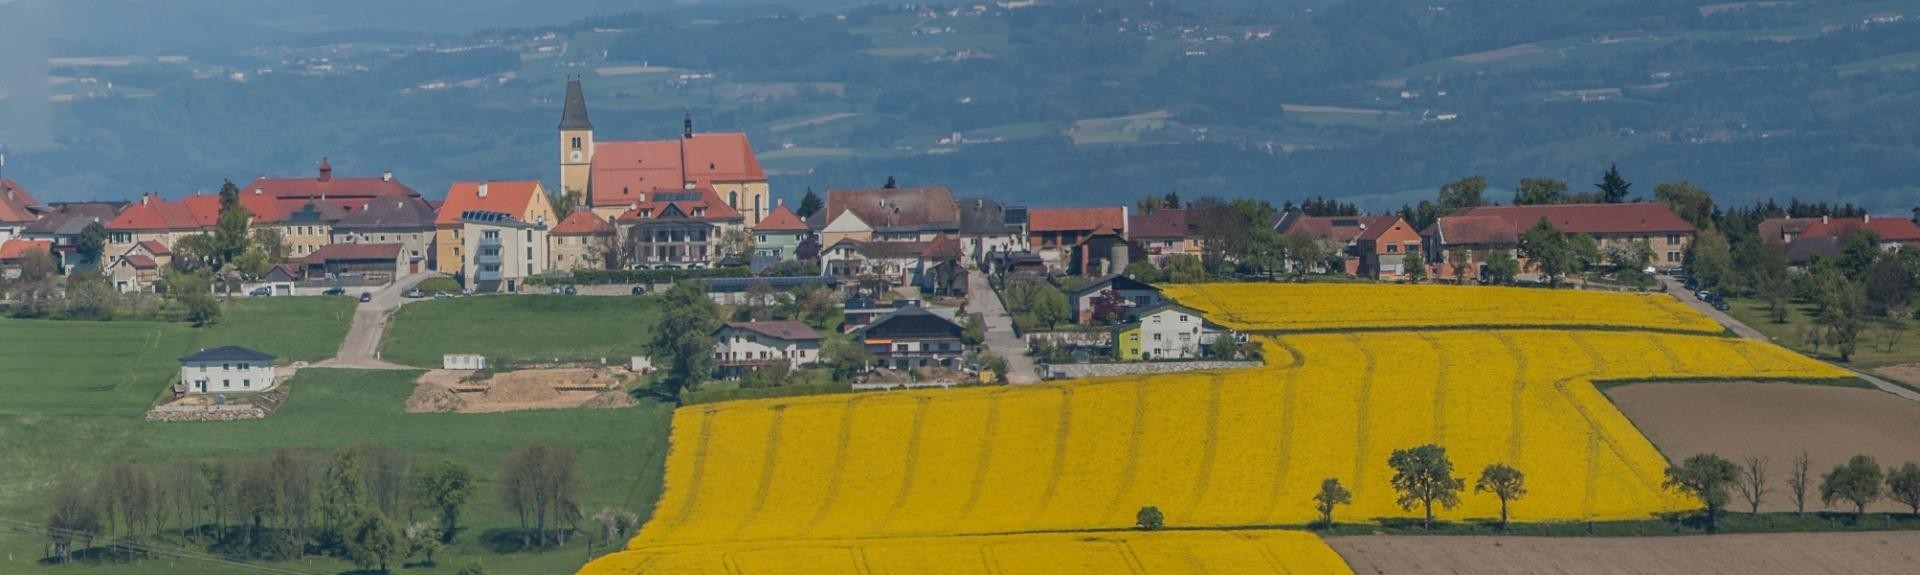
(1377, 246)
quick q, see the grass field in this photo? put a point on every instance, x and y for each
(1872, 352)
(521, 328)
(620, 451)
(1299, 307)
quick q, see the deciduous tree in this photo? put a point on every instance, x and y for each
(1903, 486)
(1706, 477)
(1688, 201)
(1753, 481)
(1468, 192)
(1857, 481)
(1547, 248)
(1540, 191)
(1149, 519)
(1423, 476)
(444, 488)
(373, 541)
(1504, 482)
(1331, 495)
(685, 337)
(1799, 480)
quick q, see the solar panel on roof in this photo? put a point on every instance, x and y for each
(676, 196)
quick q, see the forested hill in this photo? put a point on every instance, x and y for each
(1065, 101)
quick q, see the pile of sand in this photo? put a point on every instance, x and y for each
(609, 400)
(430, 398)
(519, 390)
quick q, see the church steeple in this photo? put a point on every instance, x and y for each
(576, 142)
(574, 116)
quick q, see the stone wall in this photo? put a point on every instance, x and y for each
(1079, 370)
(257, 406)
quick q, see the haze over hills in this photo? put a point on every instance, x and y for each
(1057, 102)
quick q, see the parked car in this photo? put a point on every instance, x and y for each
(262, 291)
(466, 292)
(335, 291)
(1704, 295)
(569, 290)
(1721, 304)
(415, 293)
(366, 296)
(440, 295)
(639, 290)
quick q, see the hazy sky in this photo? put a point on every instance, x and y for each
(26, 118)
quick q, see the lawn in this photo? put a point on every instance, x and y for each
(621, 453)
(522, 328)
(294, 328)
(1871, 353)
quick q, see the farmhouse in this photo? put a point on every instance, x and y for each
(1371, 246)
(1162, 233)
(897, 263)
(138, 268)
(291, 195)
(888, 215)
(13, 251)
(17, 209)
(986, 227)
(1484, 230)
(374, 263)
(1892, 230)
(1139, 295)
(1055, 234)
(408, 221)
(744, 346)
(63, 222)
(578, 241)
(227, 369)
(911, 338)
(1165, 331)
(617, 177)
(156, 219)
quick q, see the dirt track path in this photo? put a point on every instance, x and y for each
(1796, 553)
(1000, 336)
(361, 348)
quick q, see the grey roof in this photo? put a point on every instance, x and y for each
(574, 117)
(69, 218)
(1119, 282)
(317, 211)
(403, 213)
(913, 322)
(227, 353)
(984, 217)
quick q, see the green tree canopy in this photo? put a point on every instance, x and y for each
(685, 337)
(1857, 481)
(1331, 494)
(1612, 188)
(1423, 476)
(1706, 477)
(1540, 191)
(1504, 482)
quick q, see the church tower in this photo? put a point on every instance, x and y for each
(576, 142)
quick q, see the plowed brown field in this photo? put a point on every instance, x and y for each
(1799, 553)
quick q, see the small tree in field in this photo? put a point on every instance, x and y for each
(1857, 481)
(1705, 477)
(1331, 494)
(1903, 485)
(1424, 476)
(1799, 479)
(1753, 481)
(1502, 481)
(1149, 519)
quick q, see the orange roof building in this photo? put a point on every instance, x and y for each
(614, 176)
(525, 200)
(16, 208)
(290, 194)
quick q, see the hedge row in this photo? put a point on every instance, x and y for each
(605, 277)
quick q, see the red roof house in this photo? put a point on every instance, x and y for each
(12, 251)
(581, 223)
(781, 220)
(1593, 219)
(153, 214)
(289, 194)
(16, 205)
(624, 173)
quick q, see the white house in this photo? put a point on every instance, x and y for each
(740, 346)
(228, 369)
(1138, 294)
(1165, 331)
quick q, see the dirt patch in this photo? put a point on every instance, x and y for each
(1731, 554)
(1500, 54)
(609, 400)
(1906, 373)
(1776, 421)
(442, 391)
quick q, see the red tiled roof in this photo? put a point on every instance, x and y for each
(265, 208)
(1639, 218)
(16, 249)
(582, 223)
(787, 330)
(625, 172)
(926, 208)
(141, 262)
(1890, 228)
(151, 213)
(15, 203)
(781, 220)
(355, 252)
(705, 202)
(1777, 229)
(1476, 230)
(1159, 224)
(156, 248)
(1343, 229)
(511, 198)
(349, 193)
(1077, 219)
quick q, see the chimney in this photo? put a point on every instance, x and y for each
(1868, 219)
(482, 190)
(687, 126)
(1825, 220)
(326, 170)
(1916, 215)
(258, 191)
(387, 176)
(144, 198)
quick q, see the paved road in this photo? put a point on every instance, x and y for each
(361, 349)
(1678, 290)
(1000, 337)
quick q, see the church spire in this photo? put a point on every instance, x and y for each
(574, 117)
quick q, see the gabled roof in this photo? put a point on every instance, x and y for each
(227, 353)
(627, 172)
(70, 218)
(786, 330)
(16, 249)
(504, 197)
(151, 213)
(1078, 219)
(781, 220)
(1638, 218)
(1777, 229)
(1158, 225)
(582, 223)
(312, 212)
(355, 252)
(899, 209)
(403, 213)
(1889, 228)
(1805, 250)
(1343, 229)
(289, 194)
(15, 203)
(700, 204)
(1117, 282)
(140, 261)
(156, 248)
(900, 250)
(574, 115)
(1474, 230)
(984, 217)
(913, 322)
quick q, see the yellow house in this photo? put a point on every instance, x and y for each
(526, 201)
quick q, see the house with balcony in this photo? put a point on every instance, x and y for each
(913, 338)
(501, 252)
(408, 221)
(743, 346)
(1165, 331)
(678, 229)
(523, 202)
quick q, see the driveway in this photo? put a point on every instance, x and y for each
(1679, 291)
(361, 349)
(1001, 339)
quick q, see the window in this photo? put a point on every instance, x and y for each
(1673, 239)
(226, 383)
(1156, 337)
(1673, 257)
(902, 348)
(246, 383)
(226, 367)
(576, 146)
(733, 200)
(1183, 318)
(490, 235)
(1393, 248)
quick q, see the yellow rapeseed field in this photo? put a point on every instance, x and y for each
(1317, 307)
(1208, 448)
(1156, 553)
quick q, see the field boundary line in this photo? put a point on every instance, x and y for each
(912, 461)
(1673, 361)
(985, 460)
(1060, 436)
(839, 467)
(1204, 480)
(1130, 470)
(1284, 462)
(1439, 389)
(699, 472)
(1364, 417)
(767, 462)
(1516, 442)
(1134, 565)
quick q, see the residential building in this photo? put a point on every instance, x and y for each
(1468, 241)
(678, 230)
(137, 269)
(310, 227)
(1611, 225)
(579, 242)
(155, 219)
(777, 239)
(1165, 331)
(13, 251)
(1055, 233)
(743, 346)
(291, 195)
(616, 176)
(501, 251)
(986, 227)
(1892, 230)
(898, 263)
(888, 215)
(17, 209)
(1373, 247)
(373, 264)
(1138, 294)
(408, 221)
(523, 202)
(227, 369)
(1162, 233)
(912, 338)
(63, 222)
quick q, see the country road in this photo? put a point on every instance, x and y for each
(1679, 291)
(1001, 339)
(361, 348)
